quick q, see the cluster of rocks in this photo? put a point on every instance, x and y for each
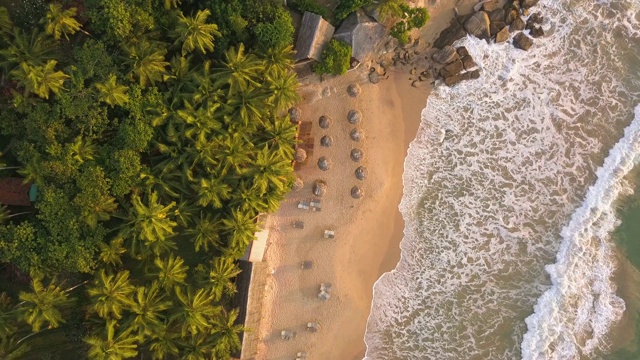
(458, 65)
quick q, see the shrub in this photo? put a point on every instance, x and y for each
(336, 59)
(346, 7)
(275, 34)
(411, 18)
(309, 5)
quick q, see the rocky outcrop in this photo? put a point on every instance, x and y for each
(449, 35)
(469, 75)
(497, 19)
(462, 51)
(522, 41)
(478, 25)
(526, 4)
(452, 69)
(536, 32)
(445, 55)
(502, 35)
(517, 25)
(468, 63)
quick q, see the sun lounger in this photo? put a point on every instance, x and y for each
(312, 326)
(329, 234)
(298, 224)
(306, 265)
(324, 296)
(301, 355)
(315, 205)
(325, 287)
(287, 335)
(303, 205)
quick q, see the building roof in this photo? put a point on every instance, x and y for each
(315, 33)
(361, 32)
(14, 192)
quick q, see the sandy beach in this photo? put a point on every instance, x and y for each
(367, 230)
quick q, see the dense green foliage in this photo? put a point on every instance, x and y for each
(346, 7)
(156, 138)
(309, 5)
(336, 58)
(405, 17)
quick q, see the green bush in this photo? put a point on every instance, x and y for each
(336, 59)
(346, 7)
(309, 5)
(278, 33)
(412, 18)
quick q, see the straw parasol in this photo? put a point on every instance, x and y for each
(319, 188)
(326, 141)
(357, 154)
(295, 114)
(361, 173)
(300, 155)
(298, 184)
(357, 134)
(356, 192)
(324, 122)
(324, 164)
(354, 90)
(354, 116)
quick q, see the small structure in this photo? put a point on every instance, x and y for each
(315, 33)
(324, 122)
(315, 205)
(287, 334)
(326, 141)
(356, 192)
(301, 355)
(313, 326)
(354, 116)
(361, 173)
(324, 164)
(319, 188)
(300, 155)
(329, 234)
(306, 265)
(304, 205)
(357, 134)
(362, 33)
(255, 250)
(357, 154)
(297, 224)
(15, 193)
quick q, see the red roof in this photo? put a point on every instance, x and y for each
(14, 192)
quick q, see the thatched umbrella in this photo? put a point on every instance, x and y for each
(361, 173)
(298, 184)
(354, 90)
(300, 155)
(319, 188)
(295, 114)
(324, 122)
(354, 116)
(356, 192)
(326, 141)
(357, 134)
(357, 154)
(324, 163)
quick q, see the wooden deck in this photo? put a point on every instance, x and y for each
(305, 142)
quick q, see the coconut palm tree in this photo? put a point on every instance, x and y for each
(247, 107)
(212, 192)
(12, 349)
(42, 305)
(5, 22)
(8, 318)
(150, 222)
(227, 333)
(181, 81)
(5, 214)
(198, 347)
(270, 171)
(34, 48)
(282, 88)
(33, 171)
(171, 271)
(194, 32)
(60, 22)
(239, 70)
(112, 93)
(149, 303)
(195, 310)
(110, 254)
(40, 80)
(82, 149)
(204, 232)
(147, 62)
(233, 153)
(165, 344)
(279, 58)
(111, 294)
(279, 134)
(223, 271)
(240, 227)
(114, 343)
(248, 198)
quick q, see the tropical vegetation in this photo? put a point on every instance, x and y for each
(335, 58)
(156, 132)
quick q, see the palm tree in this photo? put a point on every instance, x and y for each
(195, 33)
(171, 272)
(151, 222)
(282, 86)
(239, 70)
(59, 22)
(270, 170)
(200, 122)
(205, 232)
(33, 171)
(169, 4)
(198, 347)
(5, 214)
(112, 93)
(233, 153)
(113, 344)
(223, 270)
(212, 192)
(82, 150)
(227, 333)
(181, 80)
(278, 58)
(148, 307)
(111, 294)
(12, 349)
(8, 317)
(147, 61)
(40, 80)
(279, 134)
(165, 344)
(195, 310)
(5, 21)
(110, 254)
(240, 226)
(249, 198)
(42, 304)
(248, 106)
(34, 48)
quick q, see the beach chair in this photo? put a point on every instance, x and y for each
(306, 265)
(298, 224)
(301, 355)
(324, 296)
(325, 287)
(304, 205)
(315, 205)
(287, 335)
(313, 326)
(329, 234)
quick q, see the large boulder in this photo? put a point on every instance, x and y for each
(517, 25)
(452, 69)
(536, 32)
(497, 18)
(478, 25)
(469, 75)
(489, 6)
(533, 20)
(462, 51)
(468, 62)
(528, 3)
(445, 55)
(511, 15)
(449, 35)
(522, 41)
(502, 35)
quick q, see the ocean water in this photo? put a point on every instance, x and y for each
(511, 189)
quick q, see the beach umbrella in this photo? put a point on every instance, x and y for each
(326, 141)
(357, 134)
(324, 163)
(354, 116)
(297, 185)
(356, 192)
(300, 155)
(357, 154)
(319, 188)
(354, 90)
(361, 173)
(324, 122)
(295, 114)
